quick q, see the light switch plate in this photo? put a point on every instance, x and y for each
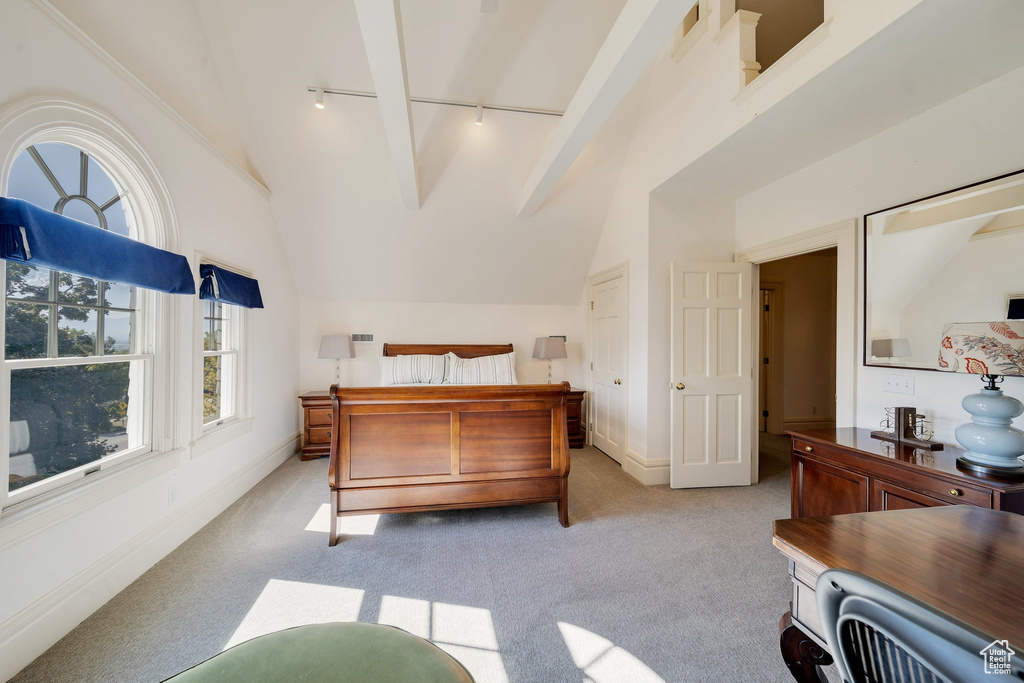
(899, 384)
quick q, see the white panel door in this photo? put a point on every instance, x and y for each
(608, 370)
(712, 375)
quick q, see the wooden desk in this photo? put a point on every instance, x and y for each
(964, 560)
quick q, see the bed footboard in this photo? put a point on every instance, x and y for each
(407, 449)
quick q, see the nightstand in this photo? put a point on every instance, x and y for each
(574, 417)
(317, 415)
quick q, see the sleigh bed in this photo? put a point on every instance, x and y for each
(444, 446)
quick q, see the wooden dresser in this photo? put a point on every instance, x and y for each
(840, 471)
(316, 424)
(577, 426)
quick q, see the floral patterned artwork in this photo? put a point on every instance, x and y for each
(995, 348)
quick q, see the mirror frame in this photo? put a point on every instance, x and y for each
(866, 343)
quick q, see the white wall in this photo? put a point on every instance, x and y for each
(969, 138)
(687, 109)
(58, 569)
(436, 323)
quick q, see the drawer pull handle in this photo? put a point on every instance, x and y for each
(809, 449)
(956, 492)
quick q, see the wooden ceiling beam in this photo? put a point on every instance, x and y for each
(380, 22)
(636, 37)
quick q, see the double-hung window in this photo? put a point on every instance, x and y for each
(78, 359)
(223, 368)
(221, 341)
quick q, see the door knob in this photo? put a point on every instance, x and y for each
(618, 381)
(680, 386)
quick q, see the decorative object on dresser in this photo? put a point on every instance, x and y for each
(549, 347)
(838, 471)
(444, 446)
(906, 425)
(337, 346)
(316, 424)
(993, 350)
(574, 422)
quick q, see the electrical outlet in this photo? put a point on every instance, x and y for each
(172, 495)
(899, 384)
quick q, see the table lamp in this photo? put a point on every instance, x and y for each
(549, 347)
(993, 350)
(337, 346)
(890, 348)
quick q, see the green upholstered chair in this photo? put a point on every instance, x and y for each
(338, 652)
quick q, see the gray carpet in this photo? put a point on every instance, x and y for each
(648, 583)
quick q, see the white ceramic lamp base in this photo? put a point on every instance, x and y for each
(993, 444)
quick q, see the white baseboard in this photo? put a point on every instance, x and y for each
(648, 472)
(29, 633)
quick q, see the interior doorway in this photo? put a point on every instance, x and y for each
(607, 376)
(797, 350)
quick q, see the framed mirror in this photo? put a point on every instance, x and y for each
(952, 257)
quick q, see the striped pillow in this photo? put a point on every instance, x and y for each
(499, 369)
(418, 369)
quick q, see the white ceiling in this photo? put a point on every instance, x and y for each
(239, 70)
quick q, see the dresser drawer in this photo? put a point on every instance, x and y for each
(319, 435)
(320, 417)
(946, 491)
(807, 448)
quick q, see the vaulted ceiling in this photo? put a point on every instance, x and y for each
(239, 71)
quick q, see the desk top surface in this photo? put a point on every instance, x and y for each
(964, 560)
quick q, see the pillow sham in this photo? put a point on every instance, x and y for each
(499, 369)
(420, 368)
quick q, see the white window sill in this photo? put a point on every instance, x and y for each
(28, 517)
(216, 436)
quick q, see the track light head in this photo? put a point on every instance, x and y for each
(319, 103)
(479, 115)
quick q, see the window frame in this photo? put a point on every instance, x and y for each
(53, 119)
(209, 435)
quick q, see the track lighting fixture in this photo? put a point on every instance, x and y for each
(431, 100)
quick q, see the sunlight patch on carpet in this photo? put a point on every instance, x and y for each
(349, 525)
(284, 604)
(602, 660)
(466, 633)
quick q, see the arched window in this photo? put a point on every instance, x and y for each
(68, 401)
(80, 356)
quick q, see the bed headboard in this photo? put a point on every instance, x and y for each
(460, 350)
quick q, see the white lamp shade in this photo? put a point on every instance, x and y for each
(890, 348)
(995, 348)
(549, 347)
(337, 346)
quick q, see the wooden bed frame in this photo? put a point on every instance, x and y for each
(443, 447)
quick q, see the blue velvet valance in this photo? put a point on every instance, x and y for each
(29, 234)
(221, 284)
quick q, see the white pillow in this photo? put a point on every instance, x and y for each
(499, 369)
(417, 369)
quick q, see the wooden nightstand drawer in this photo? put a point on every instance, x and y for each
(319, 435)
(317, 423)
(320, 417)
